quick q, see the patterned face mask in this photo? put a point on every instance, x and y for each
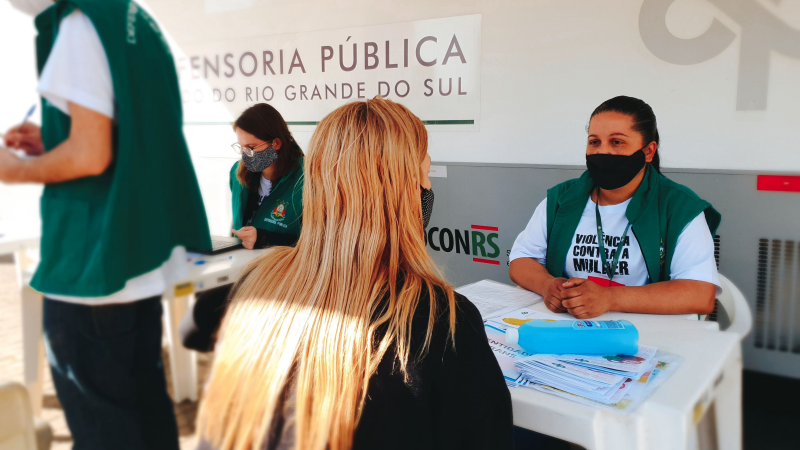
(427, 206)
(260, 160)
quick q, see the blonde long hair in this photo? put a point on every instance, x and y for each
(306, 317)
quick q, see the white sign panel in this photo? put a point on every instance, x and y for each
(721, 75)
(430, 66)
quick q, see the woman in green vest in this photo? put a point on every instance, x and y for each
(267, 198)
(644, 241)
(267, 184)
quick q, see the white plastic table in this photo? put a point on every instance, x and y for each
(706, 390)
(217, 270)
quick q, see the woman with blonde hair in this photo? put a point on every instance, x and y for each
(350, 339)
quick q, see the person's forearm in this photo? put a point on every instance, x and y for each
(63, 163)
(87, 152)
(531, 275)
(666, 297)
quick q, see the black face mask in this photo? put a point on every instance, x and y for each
(611, 172)
(427, 206)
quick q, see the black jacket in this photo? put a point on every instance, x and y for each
(456, 399)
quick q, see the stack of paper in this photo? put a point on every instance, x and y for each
(629, 366)
(508, 355)
(630, 394)
(603, 379)
(615, 383)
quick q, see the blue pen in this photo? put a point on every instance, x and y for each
(27, 116)
(206, 261)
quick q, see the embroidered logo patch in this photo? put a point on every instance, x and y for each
(279, 212)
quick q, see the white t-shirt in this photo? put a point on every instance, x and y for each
(265, 188)
(693, 258)
(77, 71)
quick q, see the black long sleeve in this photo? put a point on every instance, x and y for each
(457, 399)
(266, 238)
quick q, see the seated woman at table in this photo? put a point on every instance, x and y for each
(643, 240)
(351, 339)
(267, 198)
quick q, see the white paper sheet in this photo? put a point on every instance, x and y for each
(515, 318)
(493, 298)
(506, 356)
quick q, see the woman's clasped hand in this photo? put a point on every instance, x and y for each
(580, 298)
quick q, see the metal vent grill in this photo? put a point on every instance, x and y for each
(777, 324)
(713, 317)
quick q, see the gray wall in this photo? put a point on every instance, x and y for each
(505, 196)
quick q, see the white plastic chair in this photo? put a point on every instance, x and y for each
(735, 308)
(17, 431)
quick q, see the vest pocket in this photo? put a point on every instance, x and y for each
(65, 230)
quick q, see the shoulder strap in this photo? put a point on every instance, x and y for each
(565, 204)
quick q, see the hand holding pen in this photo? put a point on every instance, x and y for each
(26, 136)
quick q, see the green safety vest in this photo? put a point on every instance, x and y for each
(280, 212)
(100, 231)
(658, 212)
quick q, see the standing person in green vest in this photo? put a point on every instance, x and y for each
(267, 198)
(120, 205)
(622, 237)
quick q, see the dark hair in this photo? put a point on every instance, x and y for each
(644, 119)
(266, 123)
